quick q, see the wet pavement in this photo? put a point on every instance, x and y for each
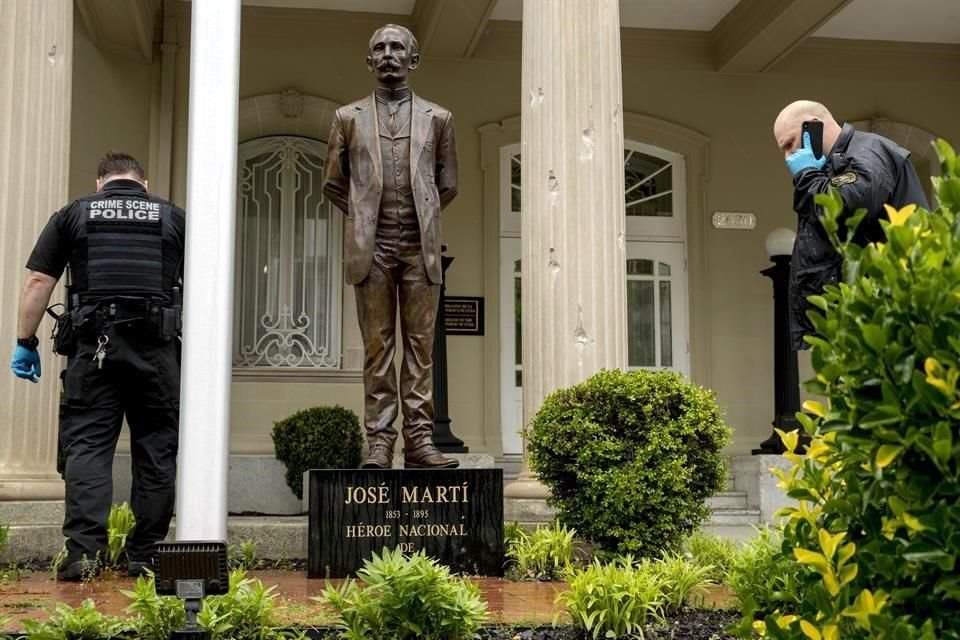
(34, 595)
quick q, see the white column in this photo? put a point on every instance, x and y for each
(160, 180)
(208, 281)
(36, 57)
(573, 251)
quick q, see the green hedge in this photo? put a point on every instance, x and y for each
(317, 438)
(630, 458)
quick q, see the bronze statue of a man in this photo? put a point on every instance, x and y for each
(391, 167)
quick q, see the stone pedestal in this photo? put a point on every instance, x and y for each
(752, 476)
(454, 515)
(36, 53)
(573, 221)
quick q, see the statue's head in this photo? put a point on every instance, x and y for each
(394, 53)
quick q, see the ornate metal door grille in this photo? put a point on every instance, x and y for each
(288, 292)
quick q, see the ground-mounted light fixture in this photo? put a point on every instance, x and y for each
(191, 571)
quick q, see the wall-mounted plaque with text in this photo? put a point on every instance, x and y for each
(463, 315)
(456, 515)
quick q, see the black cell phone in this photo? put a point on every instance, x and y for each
(815, 128)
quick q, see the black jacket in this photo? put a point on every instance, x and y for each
(868, 171)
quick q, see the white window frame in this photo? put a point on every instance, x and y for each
(674, 228)
(509, 219)
(674, 255)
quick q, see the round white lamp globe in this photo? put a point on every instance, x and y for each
(779, 242)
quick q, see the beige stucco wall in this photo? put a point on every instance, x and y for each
(323, 56)
(747, 174)
(111, 108)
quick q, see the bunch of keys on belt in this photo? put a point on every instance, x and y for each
(101, 352)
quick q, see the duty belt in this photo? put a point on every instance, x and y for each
(149, 316)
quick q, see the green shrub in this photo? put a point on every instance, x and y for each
(630, 458)
(765, 580)
(512, 531)
(157, 616)
(878, 516)
(10, 573)
(82, 623)
(243, 555)
(684, 581)
(544, 554)
(708, 550)
(245, 612)
(317, 438)
(406, 598)
(7, 574)
(619, 598)
(613, 600)
(120, 524)
(57, 561)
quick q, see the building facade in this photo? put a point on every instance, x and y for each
(694, 86)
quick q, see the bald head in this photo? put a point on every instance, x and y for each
(786, 128)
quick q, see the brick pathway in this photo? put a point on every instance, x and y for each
(509, 602)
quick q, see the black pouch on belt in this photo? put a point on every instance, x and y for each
(64, 336)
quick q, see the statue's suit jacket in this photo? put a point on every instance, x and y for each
(353, 178)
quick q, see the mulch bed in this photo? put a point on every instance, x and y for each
(690, 624)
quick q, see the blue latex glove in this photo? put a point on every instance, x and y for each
(26, 364)
(803, 158)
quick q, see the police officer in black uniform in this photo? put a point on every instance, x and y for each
(120, 333)
(868, 170)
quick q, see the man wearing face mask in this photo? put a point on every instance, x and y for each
(391, 167)
(868, 170)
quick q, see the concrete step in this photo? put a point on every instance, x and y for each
(285, 537)
(728, 500)
(735, 517)
(276, 537)
(31, 512)
(35, 526)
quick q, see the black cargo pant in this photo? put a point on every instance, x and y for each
(140, 380)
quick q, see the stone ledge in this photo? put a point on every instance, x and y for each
(268, 494)
(32, 542)
(728, 500)
(31, 512)
(734, 517)
(527, 511)
(277, 538)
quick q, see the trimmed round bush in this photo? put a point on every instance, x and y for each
(630, 458)
(317, 438)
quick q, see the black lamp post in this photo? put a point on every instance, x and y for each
(443, 438)
(786, 374)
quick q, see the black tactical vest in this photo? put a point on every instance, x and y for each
(124, 247)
